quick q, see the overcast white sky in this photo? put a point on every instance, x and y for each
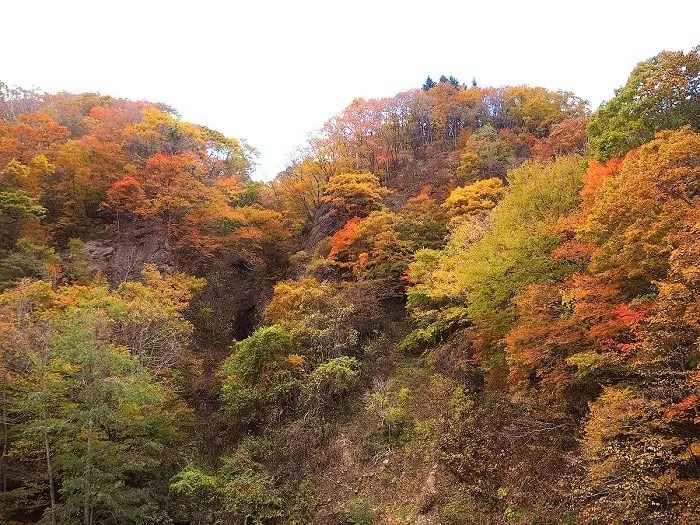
(274, 71)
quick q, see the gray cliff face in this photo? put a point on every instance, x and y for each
(237, 290)
(324, 224)
(120, 256)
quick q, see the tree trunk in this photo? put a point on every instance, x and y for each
(87, 507)
(49, 473)
(5, 428)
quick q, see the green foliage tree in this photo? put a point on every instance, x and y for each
(97, 423)
(254, 375)
(28, 260)
(429, 83)
(87, 429)
(15, 206)
(485, 275)
(662, 92)
(118, 422)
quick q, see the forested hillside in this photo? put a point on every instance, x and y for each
(460, 305)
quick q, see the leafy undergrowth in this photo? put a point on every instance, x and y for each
(386, 455)
(423, 448)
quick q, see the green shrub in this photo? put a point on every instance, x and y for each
(464, 508)
(78, 262)
(241, 490)
(196, 493)
(254, 352)
(252, 494)
(27, 260)
(359, 512)
(331, 381)
(245, 388)
(430, 333)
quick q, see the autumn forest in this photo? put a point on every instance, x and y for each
(459, 305)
